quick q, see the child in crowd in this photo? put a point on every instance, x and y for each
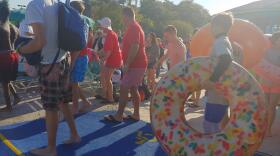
(216, 106)
(111, 58)
(176, 50)
(81, 64)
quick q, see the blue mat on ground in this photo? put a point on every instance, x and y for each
(4, 150)
(98, 138)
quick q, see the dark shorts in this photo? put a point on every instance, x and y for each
(55, 87)
(8, 66)
(215, 112)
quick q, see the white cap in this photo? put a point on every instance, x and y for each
(105, 23)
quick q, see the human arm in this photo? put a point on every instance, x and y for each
(37, 43)
(133, 51)
(14, 33)
(134, 41)
(224, 62)
(221, 51)
(161, 60)
(35, 18)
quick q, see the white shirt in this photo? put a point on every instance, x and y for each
(45, 12)
(24, 28)
(221, 46)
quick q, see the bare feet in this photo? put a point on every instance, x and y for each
(73, 140)
(43, 152)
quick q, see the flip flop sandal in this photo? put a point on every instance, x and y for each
(131, 118)
(111, 118)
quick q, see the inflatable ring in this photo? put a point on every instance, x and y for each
(268, 71)
(253, 43)
(245, 129)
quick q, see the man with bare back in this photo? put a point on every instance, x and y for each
(175, 49)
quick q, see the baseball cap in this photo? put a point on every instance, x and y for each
(105, 23)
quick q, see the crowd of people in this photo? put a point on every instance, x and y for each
(134, 54)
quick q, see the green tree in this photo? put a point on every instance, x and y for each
(153, 15)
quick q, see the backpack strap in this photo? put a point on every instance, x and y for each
(57, 54)
(54, 62)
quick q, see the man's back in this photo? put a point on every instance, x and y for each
(45, 12)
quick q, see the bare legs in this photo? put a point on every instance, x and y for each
(74, 137)
(51, 125)
(123, 101)
(77, 94)
(195, 97)
(8, 89)
(136, 102)
(107, 85)
(151, 79)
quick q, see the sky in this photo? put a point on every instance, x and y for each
(214, 6)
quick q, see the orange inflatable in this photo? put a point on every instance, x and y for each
(246, 34)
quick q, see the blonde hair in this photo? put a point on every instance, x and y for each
(223, 20)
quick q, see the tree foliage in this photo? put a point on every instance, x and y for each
(154, 15)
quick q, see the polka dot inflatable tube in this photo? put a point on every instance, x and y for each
(245, 130)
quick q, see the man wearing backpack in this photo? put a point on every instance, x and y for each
(56, 92)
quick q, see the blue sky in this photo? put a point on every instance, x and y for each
(214, 6)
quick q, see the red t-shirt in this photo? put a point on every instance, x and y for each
(85, 50)
(135, 35)
(111, 44)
